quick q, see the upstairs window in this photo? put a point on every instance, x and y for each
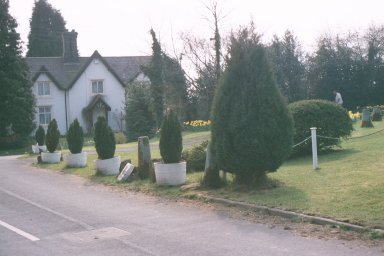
(97, 86)
(44, 115)
(43, 88)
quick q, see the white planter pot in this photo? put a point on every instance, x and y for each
(51, 158)
(36, 149)
(108, 166)
(76, 160)
(170, 174)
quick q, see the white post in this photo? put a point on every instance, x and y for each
(314, 148)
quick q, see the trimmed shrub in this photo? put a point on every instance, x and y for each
(75, 137)
(40, 136)
(330, 120)
(104, 139)
(252, 128)
(195, 157)
(52, 137)
(120, 138)
(171, 142)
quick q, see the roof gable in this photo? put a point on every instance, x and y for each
(65, 75)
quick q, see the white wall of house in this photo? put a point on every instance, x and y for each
(80, 95)
(55, 100)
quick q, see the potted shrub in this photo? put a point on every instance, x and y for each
(40, 139)
(171, 171)
(107, 163)
(75, 139)
(52, 141)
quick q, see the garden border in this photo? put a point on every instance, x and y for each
(290, 214)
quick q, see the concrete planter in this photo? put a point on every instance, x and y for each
(108, 166)
(76, 160)
(51, 158)
(36, 149)
(170, 174)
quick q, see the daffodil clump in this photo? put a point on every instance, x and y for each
(197, 125)
(354, 116)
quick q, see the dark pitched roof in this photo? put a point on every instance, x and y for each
(64, 75)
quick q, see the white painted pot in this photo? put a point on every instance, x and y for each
(108, 166)
(76, 160)
(36, 149)
(170, 174)
(51, 158)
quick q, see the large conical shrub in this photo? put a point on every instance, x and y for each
(171, 141)
(104, 139)
(40, 136)
(53, 136)
(75, 137)
(252, 128)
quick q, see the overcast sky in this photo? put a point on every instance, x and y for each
(120, 27)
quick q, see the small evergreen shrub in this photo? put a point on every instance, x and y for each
(170, 143)
(40, 136)
(104, 139)
(75, 137)
(120, 138)
(52, 137)
(330, 120)
(195, 157)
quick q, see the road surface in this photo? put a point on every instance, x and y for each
(48, 213)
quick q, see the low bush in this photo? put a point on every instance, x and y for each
(330, 120)
(120, 138)
(195, 157)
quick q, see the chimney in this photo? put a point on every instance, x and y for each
(70, 53)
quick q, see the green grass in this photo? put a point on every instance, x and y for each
(349, 186)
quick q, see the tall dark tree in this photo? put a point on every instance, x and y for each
(168, 82)
(175, 86)
(252, 129)
(16, 98)
(140, 119)
(46, 28)
(337, 66)
(286, 57)
(155, 73)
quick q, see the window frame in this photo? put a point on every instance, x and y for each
(43, 85)
(99, 84)
(47, 119)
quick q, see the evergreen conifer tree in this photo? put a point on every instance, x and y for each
(16, 97)
(251, 127)
(46, 28)
(140, 120)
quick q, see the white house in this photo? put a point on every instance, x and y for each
(70, 87)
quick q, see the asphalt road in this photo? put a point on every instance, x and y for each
(47, 213)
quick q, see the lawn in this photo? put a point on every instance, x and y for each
(349, 186)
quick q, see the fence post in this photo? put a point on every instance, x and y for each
(314, 148)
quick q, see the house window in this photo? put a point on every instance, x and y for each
(43, 88)
(97, 86)
(44, 115)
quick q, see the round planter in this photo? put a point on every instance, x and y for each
(76, 160)
(170, 174)
(51, 158)
(36, 149)
(108, 166)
